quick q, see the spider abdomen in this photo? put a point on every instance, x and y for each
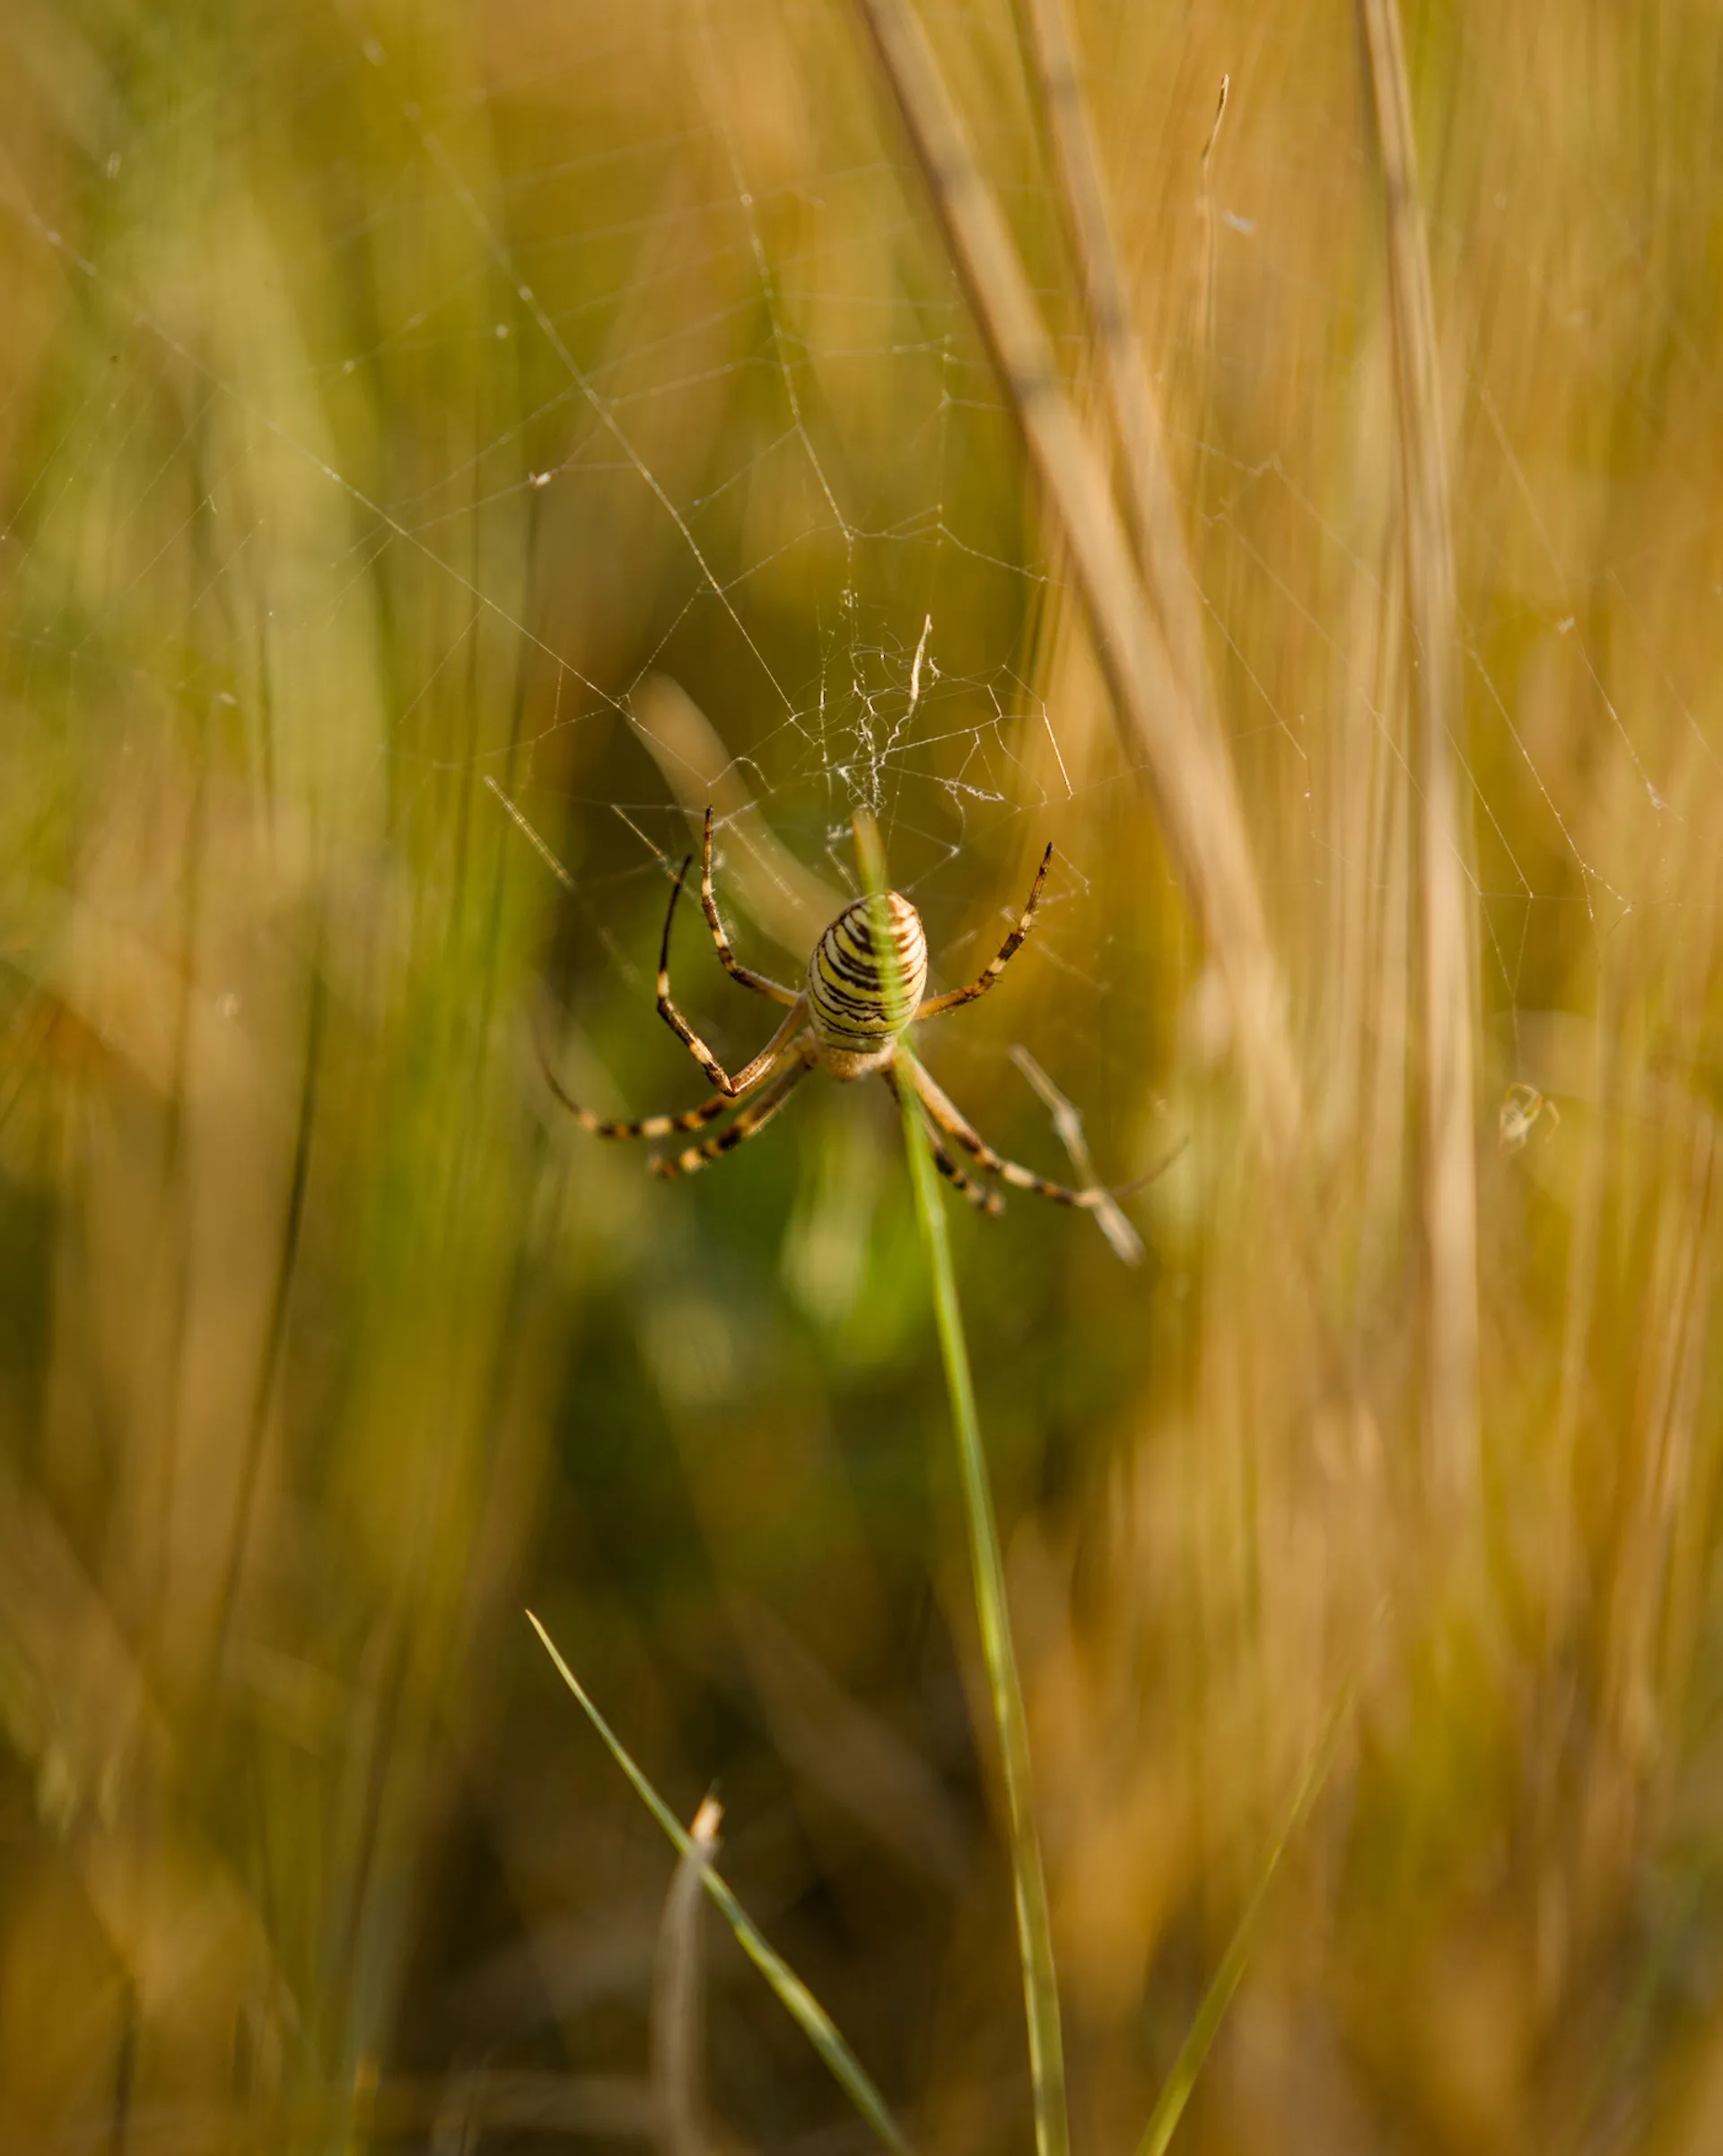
(867, 976)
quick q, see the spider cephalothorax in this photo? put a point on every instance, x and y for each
(866, 987)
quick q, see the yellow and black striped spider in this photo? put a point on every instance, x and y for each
(850, 1019)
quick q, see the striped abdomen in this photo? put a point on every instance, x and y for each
(868, 973)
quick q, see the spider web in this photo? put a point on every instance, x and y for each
(408, 407)
(453, 400)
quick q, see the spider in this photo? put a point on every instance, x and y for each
(850, 1019)
(1522, 1108)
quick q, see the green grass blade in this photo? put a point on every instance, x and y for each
(1163, 2121)
(816, 2025)
(1034, 1926)
(992, 1616)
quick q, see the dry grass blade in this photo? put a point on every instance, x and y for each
(676, 1996)
(788, 900)
(1206, 347)
(77, 1711)
(1185, 763)
(1127, 1242)
(798, 2001)
(1149, 485)
(1449, 1182)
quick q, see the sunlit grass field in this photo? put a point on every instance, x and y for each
(406, 411)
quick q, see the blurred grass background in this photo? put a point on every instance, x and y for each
(393, 398)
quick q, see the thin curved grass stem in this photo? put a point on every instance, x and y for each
(798, 2001)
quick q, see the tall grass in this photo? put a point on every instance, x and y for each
(334, 347)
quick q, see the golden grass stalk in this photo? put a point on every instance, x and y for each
(1127, 1244)
(816, 2024)
(676, 1991)
(992, 1608)
(1150, 497)
(1205, 345)
(787, 899)
(1185, 762)
(1448, 1055)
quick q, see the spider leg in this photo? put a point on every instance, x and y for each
(727, 957)
(745, 1080)
(1008, 950)
(952, 1120)
(644, 1126)
(752, 1120)
(983, 1200)
(727, 1085)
